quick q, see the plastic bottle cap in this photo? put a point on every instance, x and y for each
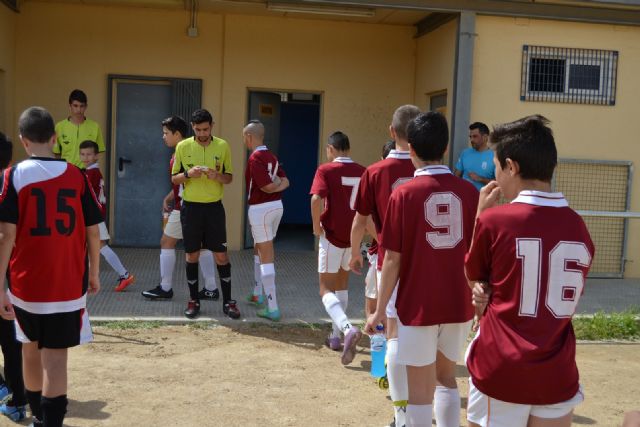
(380, 328)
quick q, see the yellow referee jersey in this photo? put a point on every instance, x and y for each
(215, 155)
(69, 136)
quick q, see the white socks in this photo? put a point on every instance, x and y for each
(419, 416)
(257, 279)
(268, 277)
(208, 268)
(343, 297)
(397, 375)
(113, 260)
(167, 264)
(335, 311)
(447, 407)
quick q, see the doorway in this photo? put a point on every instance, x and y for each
(138, 166)
(292, 133)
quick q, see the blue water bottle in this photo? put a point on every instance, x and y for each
(378, 352)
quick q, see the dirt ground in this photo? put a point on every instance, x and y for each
(258, 375)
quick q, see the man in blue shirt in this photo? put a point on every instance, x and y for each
(476, 163)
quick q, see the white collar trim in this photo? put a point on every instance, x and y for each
(432, 170)
(541, 198)
(93, 166)
(343, 160)
(396, 154)
(261, 148)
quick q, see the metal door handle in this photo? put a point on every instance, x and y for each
(121, 162)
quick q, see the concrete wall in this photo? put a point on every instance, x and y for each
(435, 65)
(581, 131)
(363, 71)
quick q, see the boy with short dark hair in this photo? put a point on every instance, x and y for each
(89, 157)
(532, 257)
(50, 213)
(426, 233)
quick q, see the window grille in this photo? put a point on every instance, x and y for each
(569, 75)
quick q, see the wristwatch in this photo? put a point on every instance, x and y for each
(186, 174)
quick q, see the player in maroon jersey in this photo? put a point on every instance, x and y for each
(533, 256)
(89, 157)
(371, 279)
(265, 181)
(174, 130)
(374, 191)
(427, 231)
(333, 196)
(47, 208)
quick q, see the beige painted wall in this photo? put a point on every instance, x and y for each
(435, 65)
(364, 71)
(582, 131)
(7, 72)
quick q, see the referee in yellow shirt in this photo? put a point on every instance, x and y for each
(203, 165)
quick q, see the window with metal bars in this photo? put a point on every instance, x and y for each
(579, 76)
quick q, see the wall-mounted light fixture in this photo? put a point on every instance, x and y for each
(321, 10)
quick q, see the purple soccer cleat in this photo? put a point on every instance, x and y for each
(333, 343)
(351, 339)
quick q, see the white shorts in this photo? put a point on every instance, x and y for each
(418, 345)
(487, 411)
(331, 258)
(264, 220)
(173, 227)
(391, 306)
(104, 233)
(371, 279)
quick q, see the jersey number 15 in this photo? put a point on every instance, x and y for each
(63, 227)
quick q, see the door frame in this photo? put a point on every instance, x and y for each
(247, 109)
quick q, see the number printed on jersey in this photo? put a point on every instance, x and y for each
(564, 285)
(353, 182)
(443, 211)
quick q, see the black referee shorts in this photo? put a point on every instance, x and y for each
(204, 226)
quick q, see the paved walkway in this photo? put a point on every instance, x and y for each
(297, 290)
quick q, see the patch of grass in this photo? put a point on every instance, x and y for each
(608, 326)
(200, 326)
(132, 324)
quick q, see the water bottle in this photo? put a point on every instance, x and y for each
(378, 352)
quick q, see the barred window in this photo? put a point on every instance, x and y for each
(580, 76)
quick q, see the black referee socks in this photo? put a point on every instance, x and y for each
(34, 398)
(224, 271)
(53, 410)
(192, 280)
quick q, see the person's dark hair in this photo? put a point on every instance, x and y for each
(528, 141)
(401, 118)
(36, 125)
(428, 135)
(77, 95)
(6, 151)
(482, 128)
(89, 144)
(176, 124)
(339, 141)
(387, 147)
(201, 116)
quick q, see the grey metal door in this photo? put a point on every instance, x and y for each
(264, 106)
(140, 162)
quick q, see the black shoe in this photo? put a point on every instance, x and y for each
(158, 293)
(193, 309)
(207, 294)
(231, 309)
